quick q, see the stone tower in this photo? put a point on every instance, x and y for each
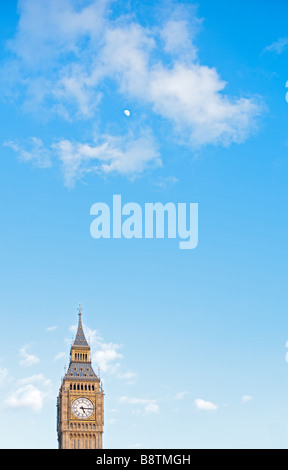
(80, 403)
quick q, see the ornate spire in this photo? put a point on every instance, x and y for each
(80, 366)
(79, 310)
(80, 340)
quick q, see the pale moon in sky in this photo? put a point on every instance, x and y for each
(127, 112)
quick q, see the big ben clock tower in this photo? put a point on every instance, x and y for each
(80, 410)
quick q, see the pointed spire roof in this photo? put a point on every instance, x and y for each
(80, 340)
(80, 367)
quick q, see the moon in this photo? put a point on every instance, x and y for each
(127, 112)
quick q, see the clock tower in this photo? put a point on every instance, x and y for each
(80, 410)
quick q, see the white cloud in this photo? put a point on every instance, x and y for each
(58, 356)
(106, 356)
(149, 406)
(29, 395)
(278, 46)
(134, 401)
(205, 405)
(73, 61)
(72, 88)
(176, 34)
(246, 398)
(3, 375)
(51, 328)
(136, 446)
(126, 55)
(180, 395)
(152, 408)
(188, 94)
(126, 155)
(36, 378)
(26, 358)
(163, 182)
(191, 97)
(56, 27)
(127, 376)
(34, 152)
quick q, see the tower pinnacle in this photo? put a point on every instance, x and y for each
(80, 403)
(79, 310)
(80, 340)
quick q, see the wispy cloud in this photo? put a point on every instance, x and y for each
(129, 376)
(51, 328)
(125, 155)
(278, 46)
(58, 356)
(80, 49)
(26, 358)
(107, 355)
(180, 395)
(147, 405)
(3, 375)
(246, 398)
(205, 405)
(33, 151)
(31, 393)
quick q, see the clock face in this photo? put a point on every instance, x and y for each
(82, 408)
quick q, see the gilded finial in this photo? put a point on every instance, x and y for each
(79, 310)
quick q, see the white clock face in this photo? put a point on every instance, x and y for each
(82, 408)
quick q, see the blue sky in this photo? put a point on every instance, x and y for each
(191, 343)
